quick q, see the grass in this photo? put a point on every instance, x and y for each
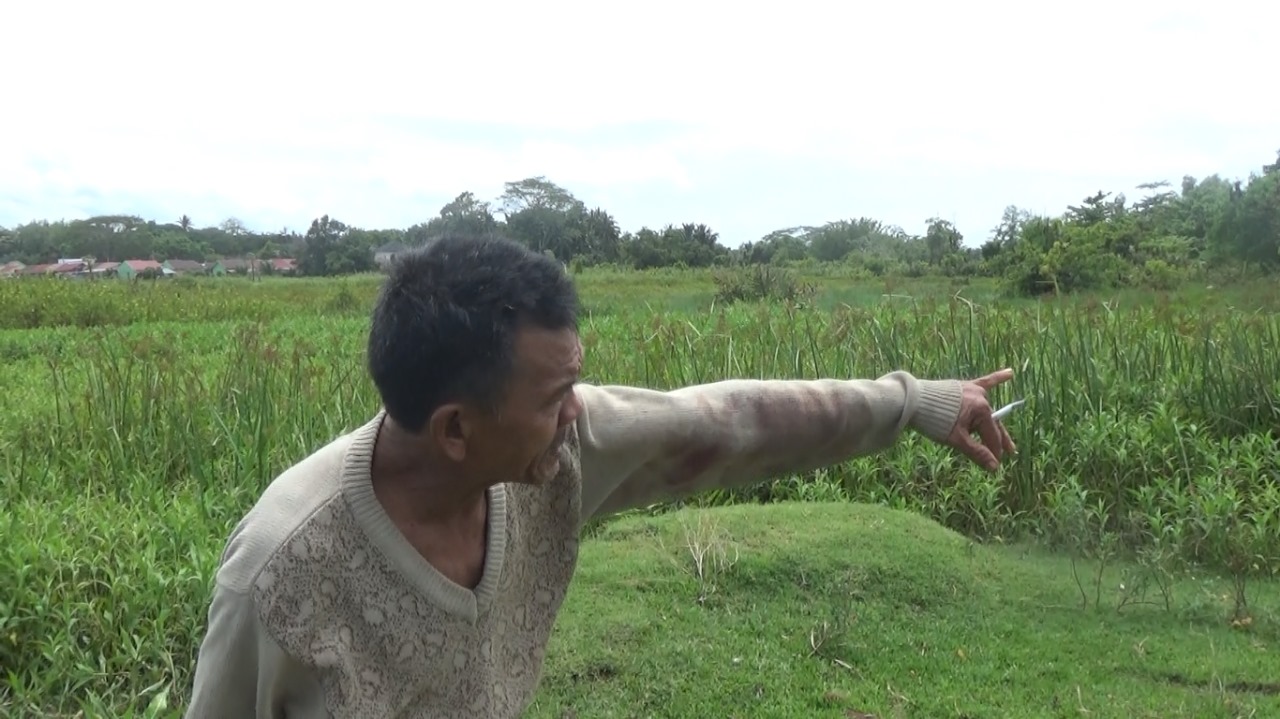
(147, 418)
(32, 303)
(848, 610)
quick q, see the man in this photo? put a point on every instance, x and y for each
(414, 567)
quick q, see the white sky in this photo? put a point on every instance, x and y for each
(801, 112)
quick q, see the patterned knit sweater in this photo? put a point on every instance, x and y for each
(321, 608)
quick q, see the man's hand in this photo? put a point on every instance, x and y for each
(975, 415)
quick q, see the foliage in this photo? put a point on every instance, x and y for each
(1162, 240)
(1147, 444)
(755, 283)
(330, 249)
(46, 302)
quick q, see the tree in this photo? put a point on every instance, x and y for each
(1096, 208)
(322, 246)
(1005, 234)
(537, 192)
(601, 238)
(464, 214)
(943, 239)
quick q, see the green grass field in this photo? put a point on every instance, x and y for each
(138, 422)
(847, 610)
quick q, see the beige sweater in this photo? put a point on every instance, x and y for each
(322, 609)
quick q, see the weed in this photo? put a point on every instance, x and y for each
(149, 416)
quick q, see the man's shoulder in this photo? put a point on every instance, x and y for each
(284, 508)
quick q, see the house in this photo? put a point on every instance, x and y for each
(133, 269)
(35, 270)
(67, 268)
(386, 254)
(240, 266)
(284, 266)
(184, 267)
(104, 269)
(11, 269)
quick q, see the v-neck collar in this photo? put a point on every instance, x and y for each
(357, 487)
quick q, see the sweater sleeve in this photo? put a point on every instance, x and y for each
(229, 668)
(641, 446)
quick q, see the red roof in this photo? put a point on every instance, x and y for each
(139, 265)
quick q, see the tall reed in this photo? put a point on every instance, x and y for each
(127, 452)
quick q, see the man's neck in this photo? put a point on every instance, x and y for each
(414, 488)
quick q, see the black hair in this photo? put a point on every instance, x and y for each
(445, 322)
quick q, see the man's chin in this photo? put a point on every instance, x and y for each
(545, 470)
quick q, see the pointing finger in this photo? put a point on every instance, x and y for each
(995, 378)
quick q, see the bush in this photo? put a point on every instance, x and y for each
(755, 283)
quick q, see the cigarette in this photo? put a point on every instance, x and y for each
(1005, 410)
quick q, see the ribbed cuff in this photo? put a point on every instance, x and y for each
(938, 408)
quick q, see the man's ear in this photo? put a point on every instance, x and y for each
(450, 428)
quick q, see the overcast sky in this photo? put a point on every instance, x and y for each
(800, 112)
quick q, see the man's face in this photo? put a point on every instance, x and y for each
(522, 443)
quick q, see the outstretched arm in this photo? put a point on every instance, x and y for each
(641, 446)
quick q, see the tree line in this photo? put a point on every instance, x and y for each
(1164, 238)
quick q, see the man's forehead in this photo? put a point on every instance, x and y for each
(551, 352)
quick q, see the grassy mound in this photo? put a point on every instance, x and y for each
(845, 610)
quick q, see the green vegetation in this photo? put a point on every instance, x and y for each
(1211, 228)
(838, 610)
(140, 420)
